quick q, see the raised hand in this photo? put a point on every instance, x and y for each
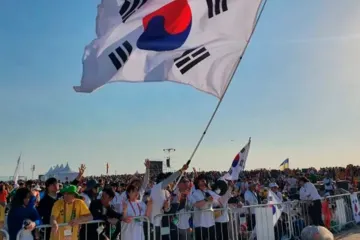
(82, 169)
(147, 163)
(184, 168)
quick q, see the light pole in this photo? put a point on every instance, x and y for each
(168, 152)
(32, 172)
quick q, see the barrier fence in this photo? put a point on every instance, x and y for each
(265, 222)
(4, 234)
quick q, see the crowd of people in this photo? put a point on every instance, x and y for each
(123, 201)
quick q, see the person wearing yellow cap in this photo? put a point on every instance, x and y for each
(71, 211)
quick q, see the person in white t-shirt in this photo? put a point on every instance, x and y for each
(141, 185)
(292, 184)
(116, 200)
(222, 220)
(182, 203)
(308, 192)
(134, 208)
(203, 219)
(251, 198)
(160, 197)
(328, 184)
(275, 189)
(91, 192)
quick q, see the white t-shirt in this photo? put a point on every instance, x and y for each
(251, 199)
(328, 184)
(292, 182)
(183, 216)
(116, 202)
(133, 230)
(87, 200)
(158, 196)
(202, 218)
(309, 192)
(222, 203)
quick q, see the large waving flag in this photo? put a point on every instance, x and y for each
(186, 41)
(238, 164)
(284, 165)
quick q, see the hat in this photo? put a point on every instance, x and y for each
(316, 233)
(37, 188)
(70, 189)
(91, 184)
(271, 185)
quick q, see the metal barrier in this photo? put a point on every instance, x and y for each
(341, 212)
(4, 235)
(264, 221)
(205, 224)
(88, 230)
(284, 220)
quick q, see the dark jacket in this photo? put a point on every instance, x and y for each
(99, 212)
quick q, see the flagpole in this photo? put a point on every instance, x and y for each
(227, 86)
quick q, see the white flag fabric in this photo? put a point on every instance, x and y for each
(193, 42)
(275, 204)
(238, 164)
(355, 207)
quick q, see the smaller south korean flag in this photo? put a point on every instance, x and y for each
(238, 164)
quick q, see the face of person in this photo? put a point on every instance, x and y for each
(202, 184)
(184, 185)
(301, 183)
(95, 190)
(54, 187)
(133, 195)
(105, 199)
(69, 197)
(27, 199)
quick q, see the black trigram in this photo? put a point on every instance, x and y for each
(191, 58)
(215, 7)
(129, 8)
(123, 52)
(242, 150)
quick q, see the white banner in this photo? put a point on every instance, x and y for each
(355, 207)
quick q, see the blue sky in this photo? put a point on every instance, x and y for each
(296, 93)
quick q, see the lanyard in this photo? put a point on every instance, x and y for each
(72, 216)
(134, 208)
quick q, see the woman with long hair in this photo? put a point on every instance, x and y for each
(21, 216)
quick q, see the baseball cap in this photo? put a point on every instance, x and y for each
(316, 233)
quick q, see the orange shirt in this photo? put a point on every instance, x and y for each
(3, 195)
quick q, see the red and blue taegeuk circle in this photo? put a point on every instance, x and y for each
(167, 28)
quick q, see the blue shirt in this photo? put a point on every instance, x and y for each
(42, 194)
(32, 202)
(16, 219)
